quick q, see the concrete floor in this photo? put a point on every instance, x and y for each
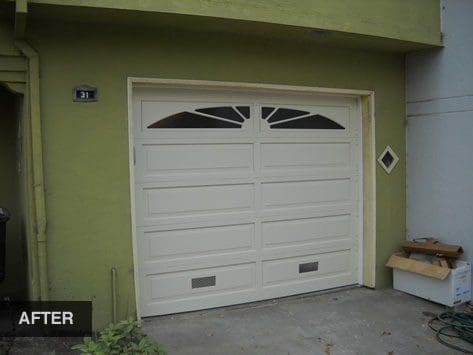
(348, 321)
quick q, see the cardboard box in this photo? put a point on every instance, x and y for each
(449, 287)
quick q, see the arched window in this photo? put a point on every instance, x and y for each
(208, 117)
(285, 118)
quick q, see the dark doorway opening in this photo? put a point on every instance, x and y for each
(14, 286)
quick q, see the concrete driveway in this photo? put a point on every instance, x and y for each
(347, 321)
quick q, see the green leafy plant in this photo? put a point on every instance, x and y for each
(125, 337)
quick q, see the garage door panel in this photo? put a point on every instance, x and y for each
(289, 175)
(201, 282)
(188, 160)
(272, 215)
(293, 194)
(197, 180)
(180, 201)
(303, 156)
(305, 140)
(305, 230)
(191, 221)
(195, 221)
(306, 267)
(316, 247)
(198, 262)
(196, 241)
(170, 306)
(234, 204)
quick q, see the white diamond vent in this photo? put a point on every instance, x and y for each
(388, 159)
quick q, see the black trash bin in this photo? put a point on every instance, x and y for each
(4, 218)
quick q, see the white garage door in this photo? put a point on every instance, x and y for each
(243, 196)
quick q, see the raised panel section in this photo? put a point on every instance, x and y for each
(304, 193)
(197, 241)
(184, 159)
(169, 265)
(179, 285)
(198, 199)
(307, 230)
(287, 270)
(283, 156)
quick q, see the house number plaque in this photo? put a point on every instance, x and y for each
(84, 93)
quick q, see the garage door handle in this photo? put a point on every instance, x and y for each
(199, 282)
(308, 267)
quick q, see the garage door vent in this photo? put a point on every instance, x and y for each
(203, 282)
(388, 159)
(308, 267)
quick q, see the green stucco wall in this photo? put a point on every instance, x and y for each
(405, 20)
(86, 145)
(14, 285)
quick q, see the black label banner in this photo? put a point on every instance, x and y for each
(46, 319)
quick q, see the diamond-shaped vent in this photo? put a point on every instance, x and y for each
(388, 159)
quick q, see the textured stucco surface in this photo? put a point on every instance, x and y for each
(413, 21)
(86, 145)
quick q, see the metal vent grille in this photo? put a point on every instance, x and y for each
(308, 267)
(207, 281)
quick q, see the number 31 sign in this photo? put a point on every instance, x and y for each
(84, 93)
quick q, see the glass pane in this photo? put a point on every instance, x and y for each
(309, 122)
(192, 120)
(244, 110)
(387, 159)
(266, 111)
(286, 113)
(226, 112)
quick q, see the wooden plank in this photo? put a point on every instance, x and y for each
(443, 263)
(369, 190)
(399, 261)
(431, 247)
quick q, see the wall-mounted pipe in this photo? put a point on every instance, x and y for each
(38, 195)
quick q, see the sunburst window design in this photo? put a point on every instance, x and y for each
(208, 117)
(285, 118)
(285, 113)
(266, 111)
